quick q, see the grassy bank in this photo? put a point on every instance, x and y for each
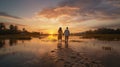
(102, 36)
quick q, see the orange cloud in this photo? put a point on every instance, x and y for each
(58, 12)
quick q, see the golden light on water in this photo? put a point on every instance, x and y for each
(52, 37)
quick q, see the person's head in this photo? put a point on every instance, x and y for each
(60, 28)
(67, 28)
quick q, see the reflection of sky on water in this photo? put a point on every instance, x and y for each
(34, 49)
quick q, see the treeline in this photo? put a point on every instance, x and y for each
(13, 29)
(103, 31)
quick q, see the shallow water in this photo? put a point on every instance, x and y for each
(29, 53)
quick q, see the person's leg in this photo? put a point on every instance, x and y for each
(61, 38)
(67, 38)
(58, 37)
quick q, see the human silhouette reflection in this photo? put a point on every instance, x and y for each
(2, 43)
(66, 44)
(59, 45)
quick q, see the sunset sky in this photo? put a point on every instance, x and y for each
(48, 15)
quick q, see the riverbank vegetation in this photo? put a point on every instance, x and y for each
(102, 34)
(13, 32)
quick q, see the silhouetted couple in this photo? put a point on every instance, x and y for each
(66, 34)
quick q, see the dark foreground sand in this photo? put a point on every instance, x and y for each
(66, 57)
(60, 57)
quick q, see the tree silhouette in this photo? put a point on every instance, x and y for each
(16, 28)
(2, 26)
(103, 31)
(11, 27)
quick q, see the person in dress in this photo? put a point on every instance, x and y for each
(60, 33)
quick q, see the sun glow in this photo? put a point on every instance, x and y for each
(51, 32)
(52, 37)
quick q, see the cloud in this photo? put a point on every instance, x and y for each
(58, 12)
(116, 25)
(10, 16)
(9, 23)
(84, 9)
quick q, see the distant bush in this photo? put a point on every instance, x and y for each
(103, 31)
(13, 29)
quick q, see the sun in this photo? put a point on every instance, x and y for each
(51, 32)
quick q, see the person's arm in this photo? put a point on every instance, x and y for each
(64, 33)
(69, 32)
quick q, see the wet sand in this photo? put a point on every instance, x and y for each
(66, 57)
(59, 57)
